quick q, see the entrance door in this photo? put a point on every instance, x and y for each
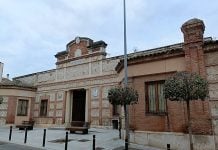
(79, 105)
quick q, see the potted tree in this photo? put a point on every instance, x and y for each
(186, 86)
(123, 96)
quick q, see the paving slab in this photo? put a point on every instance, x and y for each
(106, 139)
(11, 146)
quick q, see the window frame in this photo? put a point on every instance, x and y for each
(43, 113)
(147, 109)
(20, 106)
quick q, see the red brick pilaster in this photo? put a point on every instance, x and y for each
(193, 31)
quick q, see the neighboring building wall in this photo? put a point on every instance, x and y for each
(19, 118)
(11, 112)
(8, 110)
(161, 129)
(28, 79)
(211, 62)
(3, 110)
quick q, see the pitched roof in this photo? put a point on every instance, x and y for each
(15, 83)
(155, 51)
(170, 49)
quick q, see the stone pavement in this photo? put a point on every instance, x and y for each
(106, 139)
(11, 146)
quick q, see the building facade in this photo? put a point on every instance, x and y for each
(78, 84)
(157, 121)
(77, 90)
(16, 100)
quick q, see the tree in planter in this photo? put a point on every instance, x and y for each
(185, 86)
(123, 96)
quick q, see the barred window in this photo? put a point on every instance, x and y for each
(43, 107)
(154, 97)
(22, 107)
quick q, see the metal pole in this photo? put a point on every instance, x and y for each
(120, 127)
(44, 137)
(66, 141)
(10, 133)
(93, 145)
(127, 127)
(125, 47)
(25, 138)
(125, 77)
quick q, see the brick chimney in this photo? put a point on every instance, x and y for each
(193, 31)
(1, 71)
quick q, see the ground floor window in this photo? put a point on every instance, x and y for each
(43, 107)
(22, 107)
(115, 110)
(154, 97)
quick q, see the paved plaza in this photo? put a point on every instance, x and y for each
(106, 139)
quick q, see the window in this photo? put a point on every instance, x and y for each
(43, 107)
(22, 107)
(115, 110)
(154, 97)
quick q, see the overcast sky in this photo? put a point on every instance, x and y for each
(33, 31)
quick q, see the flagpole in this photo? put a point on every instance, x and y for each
(125, 77)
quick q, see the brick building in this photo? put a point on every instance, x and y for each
(77, 89)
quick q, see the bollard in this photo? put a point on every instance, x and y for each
(120, 127)
(120, 133)
(168, 146)
(44, 136)
(126, 144)
(25, 138)
(66, 141)
(93, 146)
(10, 133)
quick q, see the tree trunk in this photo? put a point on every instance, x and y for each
(189, 125)
(126, 126)
(168, 119)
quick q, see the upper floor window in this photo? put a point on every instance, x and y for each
(154, 97)
(22, 107)
(78, 53)
(43, 107)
